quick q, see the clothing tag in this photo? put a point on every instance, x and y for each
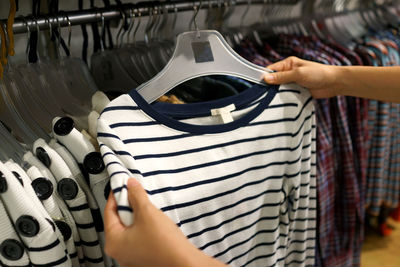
(224, 113)
(202, 52)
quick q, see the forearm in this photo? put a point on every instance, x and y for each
(378, 83)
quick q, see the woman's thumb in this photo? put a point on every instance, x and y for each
(280, 77)
(137, 195)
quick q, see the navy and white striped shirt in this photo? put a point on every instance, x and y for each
(243, 192)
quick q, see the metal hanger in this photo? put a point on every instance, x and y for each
(199, 53)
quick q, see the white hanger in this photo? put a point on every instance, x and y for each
(200, 53)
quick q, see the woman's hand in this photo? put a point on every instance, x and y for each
(152, 240)
(321, 80)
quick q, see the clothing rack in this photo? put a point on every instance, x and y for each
(70, 18)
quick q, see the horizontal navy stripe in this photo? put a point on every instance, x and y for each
(101, 134)
(228, 207)
(155, 139)
(218, 179)
(217, 162)
(73, 255)
(265, 205)
(90, 243)
(197, 201)
(270, 106)
(119, 189)
(50, 246)
(133, 124)
(108, 154)
(124, 208)
(123, 153)
(235, 142)
(98, 260)
(302, 241)
(120, 172)
(84, 225)
(80, 207)
(247, 240)
(112, 163)
(114, 108)
(81, 261)
(309, 100)
(166, 138)
(256, 246)
(179, 136)
(242, 229)
(52, 264)
(283, 258)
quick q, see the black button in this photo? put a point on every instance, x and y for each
(64, 126)
(11, 249)
(93, 163)
(27, 226)
(16, 175)
(43, 188)
(42, 155)
(67, 188)
(64, 229)
(107, 190)
(3, 183)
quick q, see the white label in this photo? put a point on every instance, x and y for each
(224, 113)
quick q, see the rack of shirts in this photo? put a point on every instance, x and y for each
(253, 174)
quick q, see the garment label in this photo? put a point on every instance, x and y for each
(224, 113)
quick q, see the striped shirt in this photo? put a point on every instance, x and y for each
(77, 204)
(33, 225)
(244, 192)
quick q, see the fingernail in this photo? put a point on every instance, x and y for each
(269, 77)
(132, 182)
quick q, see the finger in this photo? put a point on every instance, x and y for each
(280, 77)
(286, 64)
(137, 195)
(112, 222)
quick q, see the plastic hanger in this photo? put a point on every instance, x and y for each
(52, 85)
(77, 75)
(108, 71)
(124, 53)
(199, 53)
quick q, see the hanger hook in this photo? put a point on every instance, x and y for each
(69, 32)
(133, 16)
(196, 12)
(58, 39)
(174, 20)
(38, 38)
(28, 38)
(245, 13)
(103, 31)
(139, 14)
(148, 25)
(121, 27)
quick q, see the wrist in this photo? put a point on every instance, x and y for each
(341, 80)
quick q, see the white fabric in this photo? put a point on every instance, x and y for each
(7, 231)
(99, 101)
(246, 196)
(76, 172)
(74, 243)
(50, 204)
(44, 247)
(77, 206)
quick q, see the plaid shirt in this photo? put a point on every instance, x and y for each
(383, 174)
